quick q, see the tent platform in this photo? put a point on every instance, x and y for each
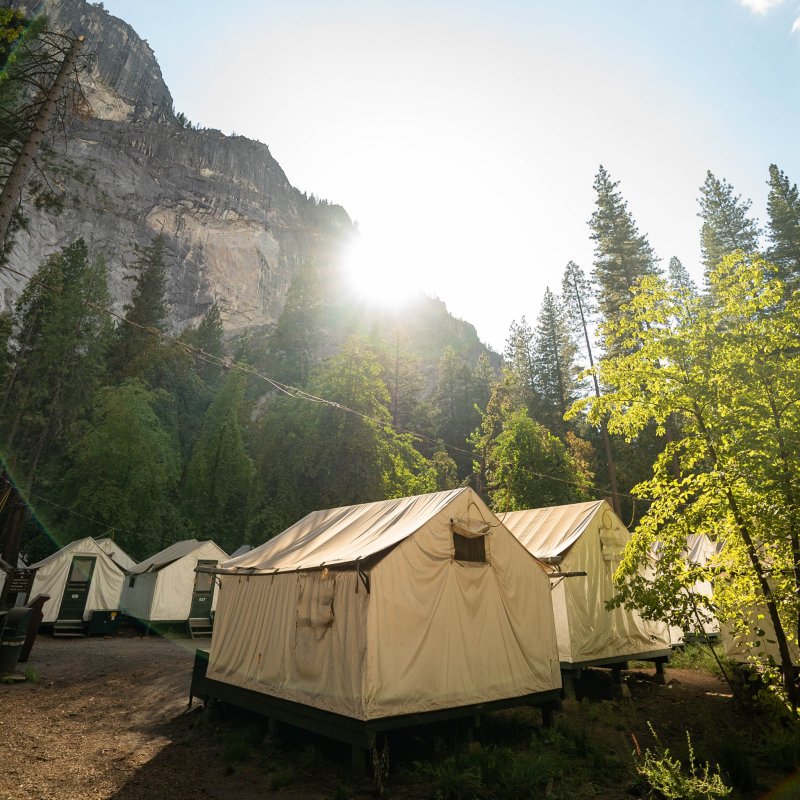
(359, 734)
(570, 671)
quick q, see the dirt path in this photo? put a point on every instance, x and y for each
(108, 719)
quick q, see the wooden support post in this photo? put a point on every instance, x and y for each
(358, 760)
(661, 675)
(618, 687)
(568, 685)
(548, 715)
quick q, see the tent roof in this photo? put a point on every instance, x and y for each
(111, 548)
(87, 545)
(167, 556)
(344, 535)
(549, 532)
(241, 550)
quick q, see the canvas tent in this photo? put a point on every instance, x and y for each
(379, 611)
(79, 578)
(165, 588)
(118, 555)
(587, 537)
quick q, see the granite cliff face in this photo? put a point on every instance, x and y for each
(236, 229)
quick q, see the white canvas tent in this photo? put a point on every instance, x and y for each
(54, 573)
(587, 537)
(413, 605)
(118, 555)
(161, 588)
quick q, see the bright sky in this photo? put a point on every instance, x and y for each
(464, 136)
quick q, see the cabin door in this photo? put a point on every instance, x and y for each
(76, 592)
(203, 592)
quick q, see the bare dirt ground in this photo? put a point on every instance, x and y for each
(108, 718)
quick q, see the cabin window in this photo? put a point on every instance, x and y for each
(131, 581)
(469, 548)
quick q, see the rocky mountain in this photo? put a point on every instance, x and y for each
(237, 231)
(236, 228)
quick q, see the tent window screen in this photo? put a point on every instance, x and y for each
(469, 548)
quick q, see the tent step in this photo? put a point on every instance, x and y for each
(69, 627)
(199, 628)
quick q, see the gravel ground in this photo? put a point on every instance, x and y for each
(109, 718)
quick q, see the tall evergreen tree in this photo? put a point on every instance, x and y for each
(726, 225)
(456, 415)
(783, 210)
(145, 315)
(217, 490)
(622, 255)
(518, 357)
(59, 349)
(578, 309)
(553, 363)
(679, 277)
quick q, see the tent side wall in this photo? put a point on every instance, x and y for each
(594, 632)
(137, 599)
(443, 633)
(296, 636)
(172, 594)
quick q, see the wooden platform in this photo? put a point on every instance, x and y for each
(359, 734)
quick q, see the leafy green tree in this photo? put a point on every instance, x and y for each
(126, 470)
(312, 454)
(216, 493)
(553, 365)
(783, 210)
(58, 352)
(726, 224)
(730, 368)
(622, 255)
(528, 467)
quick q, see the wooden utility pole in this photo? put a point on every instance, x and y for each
(12, 191)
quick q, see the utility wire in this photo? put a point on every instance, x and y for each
(287, 389)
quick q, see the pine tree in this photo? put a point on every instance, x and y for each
(207, 336)
(456, 415)
(59, 349)
(623, 256)
(783, 209)
(578, 309)
(145, 315)
(518, 357)
(726, 225)
(553, 358)
(679, 277)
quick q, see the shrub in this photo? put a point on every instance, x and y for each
(666, 779)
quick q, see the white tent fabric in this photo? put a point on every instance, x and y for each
(586, 537)
(160, 588)
(365, 611)
(118, 555)
(52, 573)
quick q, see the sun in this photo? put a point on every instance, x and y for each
(378, 274)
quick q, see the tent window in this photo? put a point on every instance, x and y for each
(469, 548)
(131, 581)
